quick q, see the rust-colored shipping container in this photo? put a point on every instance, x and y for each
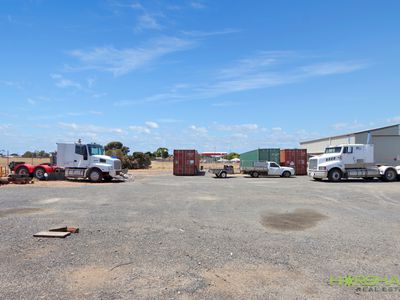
(295, 158)
(186, 162)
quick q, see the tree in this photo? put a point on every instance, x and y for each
(27, 154)
(162, 152)
(140, 160)
(232, 155)
(115, 145)
(150, 154)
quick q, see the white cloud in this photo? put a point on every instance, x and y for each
(331, 68)
(136, 5)
(260, 71)
(62, 82)
(31, 101)
(90, 82)
(140, 129)
(11, 83)
(122, 61)
(99, 95)
(152, 125)
(146, 128)
(85, 113)
(147, 21)
(199, 34)
(239, 127)
(346, 125)
(198, 130)
(90, 129)
(225, 104)
(197, 5)
(394, 119)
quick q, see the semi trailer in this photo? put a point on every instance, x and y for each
(350, 161)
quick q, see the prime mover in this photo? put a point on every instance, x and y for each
(350, 161)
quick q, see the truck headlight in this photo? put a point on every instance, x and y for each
(322, 168)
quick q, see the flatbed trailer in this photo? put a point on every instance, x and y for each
(222, 172)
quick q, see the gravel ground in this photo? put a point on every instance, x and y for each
(166, 237)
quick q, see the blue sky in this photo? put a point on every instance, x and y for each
(210, 75)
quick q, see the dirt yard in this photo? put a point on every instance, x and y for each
(198, 237)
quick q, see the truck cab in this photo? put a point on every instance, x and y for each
(87, 161)
(348, 160)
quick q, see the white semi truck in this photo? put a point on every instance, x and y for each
(87, 161)
(350, 161)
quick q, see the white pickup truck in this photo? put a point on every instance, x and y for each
(267, 168)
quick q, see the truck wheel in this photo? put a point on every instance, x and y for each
(335, 175)
(222, 175)
(22, 171)
(286, 174)
(95, 175)
(108, 178)
(390, 175)
(39, 173)
(255, 174)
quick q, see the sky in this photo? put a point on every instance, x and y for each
(206, 75)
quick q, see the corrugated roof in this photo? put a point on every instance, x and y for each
(348, 134)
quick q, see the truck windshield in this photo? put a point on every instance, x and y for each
(333, 150)
(95, 150)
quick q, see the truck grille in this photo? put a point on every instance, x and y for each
(312, 164)
(117, 164)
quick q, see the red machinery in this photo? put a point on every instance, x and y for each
(37, 171)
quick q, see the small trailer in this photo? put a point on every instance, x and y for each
(222, 172)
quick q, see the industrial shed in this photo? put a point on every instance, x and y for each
(386, 142)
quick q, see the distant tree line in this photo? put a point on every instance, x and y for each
(232, 155)
(36, 154)
(137, 160)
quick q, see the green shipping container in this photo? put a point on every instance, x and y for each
(248, 158)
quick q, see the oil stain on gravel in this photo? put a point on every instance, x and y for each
(18, 211)
(298, 220)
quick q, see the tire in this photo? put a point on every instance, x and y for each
(39, 173)
(223, 175)
(108, 178)
(286, 174)
(390, 175)
(255, 174)
(335, 175)
(95, 175)
(22, 171)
